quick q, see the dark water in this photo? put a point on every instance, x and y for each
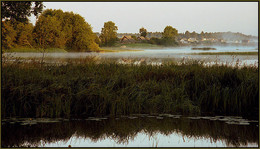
(134, 131)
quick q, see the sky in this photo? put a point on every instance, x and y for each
(129, 17)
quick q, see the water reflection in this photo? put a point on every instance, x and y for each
(125, 131)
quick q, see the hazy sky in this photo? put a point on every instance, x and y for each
(155, 16)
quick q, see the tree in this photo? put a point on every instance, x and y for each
(170, 32)
(108, 34)
(8, 35)
(20, 11)
(47, 32)
(187, 34)
(82, 36)
(24, 34)
(168, 36)
(194, 34)
(202, 35)
(56, 28)
(143, 32)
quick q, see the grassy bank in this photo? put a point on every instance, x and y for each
(48, 50)
(57, 50)
(135, 46)
(115, 49)
(108, 88)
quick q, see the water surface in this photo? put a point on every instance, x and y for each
(132, 131)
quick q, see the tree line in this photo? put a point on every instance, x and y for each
(58, 29)
(53, 29)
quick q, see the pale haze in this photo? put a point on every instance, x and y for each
(155, 16)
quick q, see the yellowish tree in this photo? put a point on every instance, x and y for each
(8, 35)
(56, 28)
(24, 34)
(108, 34)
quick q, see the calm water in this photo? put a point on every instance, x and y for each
(133, 131)
(177, 54)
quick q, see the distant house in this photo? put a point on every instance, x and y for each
(221, 40)
(127, 39)
(184, 41)
(192, 40)
(141, 38)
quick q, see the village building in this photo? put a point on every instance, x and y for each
(142, 39)
(184, 41)
(127, 39)
(193, 40)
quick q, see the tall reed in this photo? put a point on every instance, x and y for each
(88, 88)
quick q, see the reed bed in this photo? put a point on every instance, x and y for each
(90, 87)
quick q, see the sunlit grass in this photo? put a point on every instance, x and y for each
(116, 49)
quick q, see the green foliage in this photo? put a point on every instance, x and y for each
(155, 40)
(20, 11)
(187, 34)
(58, 29)
(170, 32)
(134, 37)
(47, 32)
(143, 32)
(169, 35)
(108, 34)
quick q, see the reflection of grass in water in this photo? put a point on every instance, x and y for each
(124, 130)
(107, 88)
(225, 53)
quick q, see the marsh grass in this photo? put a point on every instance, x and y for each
(93, 87)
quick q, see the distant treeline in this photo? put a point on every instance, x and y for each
(217, 35)
(187, 35)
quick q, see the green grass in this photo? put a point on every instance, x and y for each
(134, 46)
(49, 50)
(142, 45)
(95, 88)
(226, 53)
(116, 49)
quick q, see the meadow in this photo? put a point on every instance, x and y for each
(89, 87)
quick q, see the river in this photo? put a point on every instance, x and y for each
(177, 53)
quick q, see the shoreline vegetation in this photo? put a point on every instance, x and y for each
(101, 87)
(204, 48)
(133, 47)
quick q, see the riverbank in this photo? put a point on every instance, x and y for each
(98, 88)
